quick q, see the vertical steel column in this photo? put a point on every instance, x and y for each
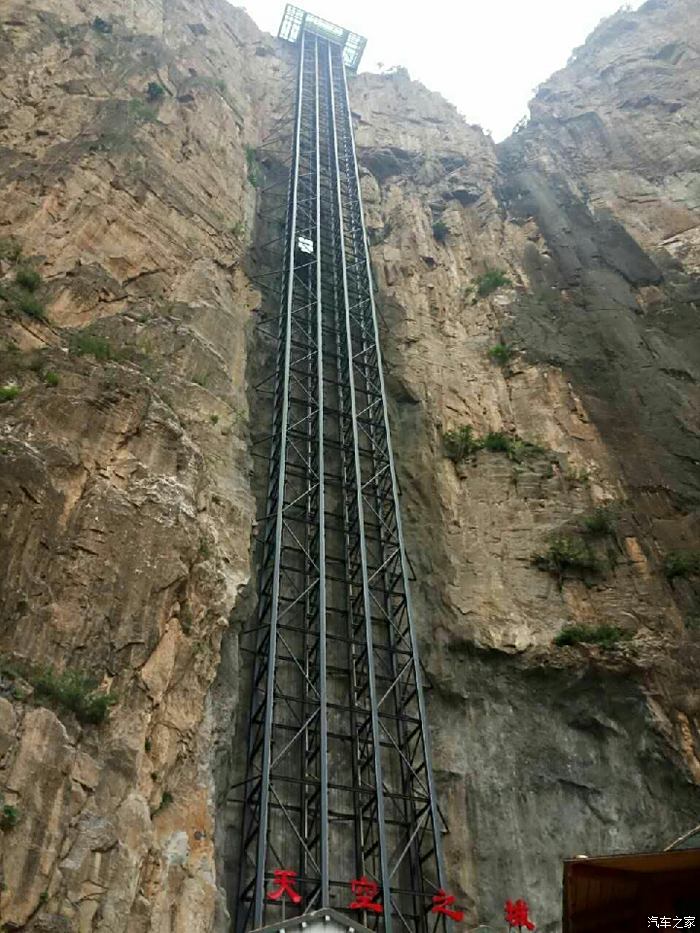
(338, 736)
(288, 745)
(323, 662)
(262, 840)
(374, 836)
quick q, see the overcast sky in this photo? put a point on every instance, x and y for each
(486, 57)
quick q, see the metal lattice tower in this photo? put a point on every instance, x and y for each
(339, 782)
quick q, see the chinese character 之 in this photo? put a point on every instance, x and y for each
(442, 902)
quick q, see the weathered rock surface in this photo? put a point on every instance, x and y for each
(125, 497)
(125, 488)
(545, 752)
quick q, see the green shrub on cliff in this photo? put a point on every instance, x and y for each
(511, 445)
(601, 521)
(251, 160)
(607, 636)
(460, 443)
(28, 278)
(682, 564)
(491, 281)
(140, 111)
(502, 354)
(154, 92)
(92, 345)
(29, 304)
(10, 248)
(72, 690)
(9, 392)
(440, 231)
(9, 817)
(567, 552)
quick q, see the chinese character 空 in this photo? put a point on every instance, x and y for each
(442, 902)
(284, 879)
(516, 915)
(365, 891)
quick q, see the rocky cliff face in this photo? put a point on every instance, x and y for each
(129, 184)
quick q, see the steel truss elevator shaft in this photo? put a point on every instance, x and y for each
(339, 782)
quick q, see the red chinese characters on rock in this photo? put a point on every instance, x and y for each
(517, 915)
(442, 904)
(365, 891)
(284, 879)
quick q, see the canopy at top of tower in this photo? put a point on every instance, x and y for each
(295, 21)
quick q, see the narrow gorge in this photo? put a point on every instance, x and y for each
(538, 304)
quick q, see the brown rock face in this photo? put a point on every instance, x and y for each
(128, 181)
(125, 498)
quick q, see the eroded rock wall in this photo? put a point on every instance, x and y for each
(126, 507)
(545, 752)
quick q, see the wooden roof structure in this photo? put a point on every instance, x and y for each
(620, 893)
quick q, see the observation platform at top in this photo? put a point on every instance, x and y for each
(295, 21)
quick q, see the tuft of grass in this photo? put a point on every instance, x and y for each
(28, 303)
(460, 443)
(71, 690)
(237, 229)
(511, 445)
(9, 817)
(575, 477)
(141, 111)
(502, 354)
(43, 897)
(51, 378)
(74, 691)
(681, 564)
(10, 248)
(92, 345)
(9, 392)
(220, 85)
(440, 231)
(214, 419)
(28, 278)
(147, 745)
(491, 281)
(607, 636)
(600, 522)
(252, 166)
(568, 553)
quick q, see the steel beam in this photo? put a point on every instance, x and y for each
(339, 782)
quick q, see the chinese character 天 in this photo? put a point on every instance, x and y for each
(284, 879)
